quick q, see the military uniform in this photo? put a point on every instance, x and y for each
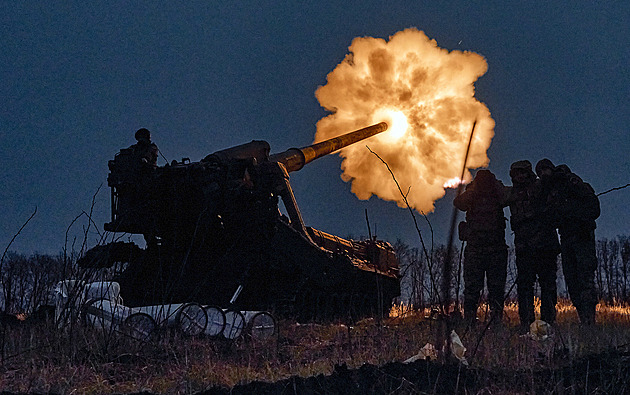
(145, 151)
(535, 243)
(576, 206)
(485, 254)
(135, 184)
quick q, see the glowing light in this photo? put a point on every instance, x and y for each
(426, 95)
(396, 122)
(453, 183)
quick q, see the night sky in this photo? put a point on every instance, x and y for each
(77, 79)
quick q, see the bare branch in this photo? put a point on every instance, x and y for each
(613, 189)
(415, 221)
(15, 236)
(90, 222)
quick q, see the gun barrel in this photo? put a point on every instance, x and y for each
(295, 158)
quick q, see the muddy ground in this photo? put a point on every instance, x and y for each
(597, 374)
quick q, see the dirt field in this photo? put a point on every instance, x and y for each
(603, 374)
(358, 358)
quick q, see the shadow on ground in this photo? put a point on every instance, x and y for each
(606, 373)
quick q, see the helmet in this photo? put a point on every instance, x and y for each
(143, 134)
(484, 177)
(521, 165)
(563, 169)
(544, 164)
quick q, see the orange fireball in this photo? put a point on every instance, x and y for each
(426, 94)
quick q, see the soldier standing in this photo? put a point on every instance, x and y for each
(485, 254)
(535, 243)
(575, 207)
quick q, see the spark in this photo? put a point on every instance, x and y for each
(454, 183)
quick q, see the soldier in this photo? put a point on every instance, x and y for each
(145, 150)
(535, 243)
(575, 207)
(134, 179)
(485, 254)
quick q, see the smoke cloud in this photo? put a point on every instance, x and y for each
(427, 96)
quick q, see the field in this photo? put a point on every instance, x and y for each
(325, 358)
(309, 357)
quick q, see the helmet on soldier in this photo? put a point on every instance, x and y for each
(521, 172)
(484, 178)
(563, 169)
(543, 165)
(521, 165)
(143, 134)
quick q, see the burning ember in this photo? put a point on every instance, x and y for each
(426, 95)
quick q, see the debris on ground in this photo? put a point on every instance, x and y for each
(428, 352)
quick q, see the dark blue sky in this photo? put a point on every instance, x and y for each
(78, 78)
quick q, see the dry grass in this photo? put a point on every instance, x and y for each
(42, 359)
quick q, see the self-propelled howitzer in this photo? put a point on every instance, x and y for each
(215, 235)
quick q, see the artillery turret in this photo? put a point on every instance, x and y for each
(215, 235)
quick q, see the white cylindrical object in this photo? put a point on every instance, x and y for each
(68, 298)
(139, 326)
(260, 324)
(105, 314)
(234, 324)
(163, 314)
(110, 316)
(191, 319)
(236, 294)
(216, 321)
(109, 290)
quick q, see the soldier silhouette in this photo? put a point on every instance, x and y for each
(485, 254)
(535, 243)
(145, 150)
(575, 207)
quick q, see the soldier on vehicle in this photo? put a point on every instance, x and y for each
(485, 254)
(145, 150)
(575, 208)
(132, 177)
(535, 243)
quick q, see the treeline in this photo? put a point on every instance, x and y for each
(27, 282)
(613, 272)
